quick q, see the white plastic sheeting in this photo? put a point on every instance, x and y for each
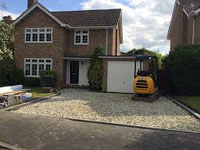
(7, 89)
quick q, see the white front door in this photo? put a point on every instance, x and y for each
(83, 70)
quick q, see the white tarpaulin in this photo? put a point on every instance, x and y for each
(7, 89)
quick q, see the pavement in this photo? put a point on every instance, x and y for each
(31, 132)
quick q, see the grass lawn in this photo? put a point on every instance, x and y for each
(192, 101)
(37, 92)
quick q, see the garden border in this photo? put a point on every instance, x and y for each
(10, 147)
(184, 106)
(15, 107)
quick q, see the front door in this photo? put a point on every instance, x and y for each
(74, 72)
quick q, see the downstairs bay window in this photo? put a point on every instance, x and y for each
(34, 66)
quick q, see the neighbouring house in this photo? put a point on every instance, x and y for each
(185, 23)
(64, 41)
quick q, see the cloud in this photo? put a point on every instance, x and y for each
(6, 13)
(145, 22)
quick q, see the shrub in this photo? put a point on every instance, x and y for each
(182, 66)
(9, 74)
(16, 77)
(47, 73)
(6, 68)
(32, 82)
(95, 71)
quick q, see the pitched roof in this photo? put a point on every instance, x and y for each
(190, 5)
(76, 19)
(104, 17)
(84, 18)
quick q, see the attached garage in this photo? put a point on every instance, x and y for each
(118, 74)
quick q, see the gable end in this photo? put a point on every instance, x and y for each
(38, 5)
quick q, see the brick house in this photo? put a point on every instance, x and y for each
(185, 23)
(64, 41)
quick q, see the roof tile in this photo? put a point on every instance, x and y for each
(104, 17)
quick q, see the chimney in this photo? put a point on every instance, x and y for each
(7, 19)
(31, 3)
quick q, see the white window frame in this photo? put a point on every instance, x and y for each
(38, 63)
(81, 34)
(38, 34)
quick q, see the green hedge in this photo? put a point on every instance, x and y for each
(183, 68)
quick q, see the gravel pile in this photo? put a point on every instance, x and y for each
(114, 108)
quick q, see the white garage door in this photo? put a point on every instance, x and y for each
(121, 76)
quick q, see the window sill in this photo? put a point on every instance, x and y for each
(31, 76)
(38, 42)
(81, 44)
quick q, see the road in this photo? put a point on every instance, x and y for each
(45, 133)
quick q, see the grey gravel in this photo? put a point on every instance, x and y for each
(114, 108)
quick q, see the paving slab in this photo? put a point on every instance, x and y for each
(46, 133)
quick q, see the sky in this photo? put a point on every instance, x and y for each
(145, 22)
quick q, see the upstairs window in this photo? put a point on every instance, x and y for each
(81, 37)
(38, 35)
(28, 35)
(41, 35)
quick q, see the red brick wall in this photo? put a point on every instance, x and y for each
(175, 36)
(63, 43)
(116, 42)
(197, 29)
(52, 50)
(189, 31)
(182, 32)
(96, 37)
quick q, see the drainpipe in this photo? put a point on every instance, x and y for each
(106, 41)
(193, 32)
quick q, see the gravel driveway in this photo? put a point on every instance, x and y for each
(114, 108)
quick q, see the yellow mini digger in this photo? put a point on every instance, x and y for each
(145, 81)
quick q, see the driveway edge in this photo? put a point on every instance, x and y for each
(130, 126)
(30, 102)
(117, 124)
(185, 107)
(8, 146)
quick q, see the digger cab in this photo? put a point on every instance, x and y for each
(145, 81)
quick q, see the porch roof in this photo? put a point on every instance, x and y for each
(117, 57)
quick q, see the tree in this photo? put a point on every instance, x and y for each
(182, 66)
(6, 40)
(8, 72)
(146, 52)
(95, 71)
(131, 52)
